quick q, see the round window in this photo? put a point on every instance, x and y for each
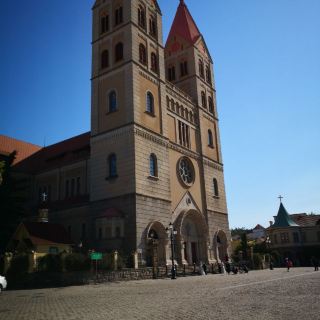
(186, 171)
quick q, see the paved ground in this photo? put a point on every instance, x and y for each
(259, 295)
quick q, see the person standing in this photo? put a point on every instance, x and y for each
(315, 263)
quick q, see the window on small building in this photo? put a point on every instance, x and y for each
(154, 62)
(150, 103)
(119, 51)
(183, 68)
(118, 16)
(184, 134)
(171, 73)
(296, 237)
(203, 99)
(112, 166)
(304, 236)
(215, 187)
(153, 165)
(210, 138)
(141, 17)
(201, 68)
(210, 104)
(284, 237)
(112, 101)
(104, 24)
(67, 191)
(208, 75)
(153, 26)
(118, 232)
(53, 250)
(105, 59)
(78, 186)
(142, 54)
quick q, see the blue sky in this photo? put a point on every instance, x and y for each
(267, 72)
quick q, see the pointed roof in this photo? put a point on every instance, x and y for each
(184, 25)
(283, 219)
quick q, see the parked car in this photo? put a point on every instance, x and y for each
(3, 283)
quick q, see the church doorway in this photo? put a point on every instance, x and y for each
(156, 245)
(192, 237)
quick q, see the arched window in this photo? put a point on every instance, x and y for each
(154, 62)
(210, 139)
(171, 73)
(119, 51)
(153, 26)
(153, 165)
(112, 166)
(201, 68)
(183, 68)
(150, 103)
(141, 17)
(203, 99)
(104, 23)
(112, 101)
(104, 59)
(215, 187)
(208, 74)
(210, 103)
(142, 54)
(118, 16)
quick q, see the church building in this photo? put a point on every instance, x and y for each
(153, 155)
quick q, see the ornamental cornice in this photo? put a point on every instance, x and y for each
(146, 76)
(150, 137)
(213, 165)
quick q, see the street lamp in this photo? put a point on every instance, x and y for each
(171, 232)
(268, 242)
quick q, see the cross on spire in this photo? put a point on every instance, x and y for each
(280, 197)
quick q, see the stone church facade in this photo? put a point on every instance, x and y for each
(153, 155)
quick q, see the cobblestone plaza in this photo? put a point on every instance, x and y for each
(259, 295)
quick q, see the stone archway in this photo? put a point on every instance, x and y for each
(191, 240)
(156, 243)
(221, 245)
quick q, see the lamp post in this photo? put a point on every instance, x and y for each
(171, 232)
(268, 242)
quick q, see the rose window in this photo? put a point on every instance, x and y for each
(186, 171)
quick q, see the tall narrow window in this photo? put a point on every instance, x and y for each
(118, 16)
(208, 75)
(210, 139)
(154, 62)
(215, 187)
(119, 52)
(184, 134)
(112, 101)
(210, 103)
(203, 99)
(112, 163)
(153, 165)
(153, 27)
(171, 73)
(141, 17)
(183, 68)
(78, 186)
(104, 59)
(142, 54)
(150, 103)
(201, 68)
(104, 24)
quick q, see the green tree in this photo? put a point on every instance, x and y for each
(11, 201)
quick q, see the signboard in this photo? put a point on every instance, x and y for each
(96, 256)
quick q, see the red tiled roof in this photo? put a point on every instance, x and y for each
(305, 220)
(45, 233)
(23, 149)
(111, 213)
(184, 25)
(57, 155)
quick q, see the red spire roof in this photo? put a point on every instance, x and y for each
(184, 25)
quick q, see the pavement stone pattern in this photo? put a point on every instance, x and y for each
(260, 295)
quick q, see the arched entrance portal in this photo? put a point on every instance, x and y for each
(192, 238)
(156, 243)
(221, 245)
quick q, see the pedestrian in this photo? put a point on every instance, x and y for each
(315, 263)
(223, 268)
(228, 268)
(204, 267)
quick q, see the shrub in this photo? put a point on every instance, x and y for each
(19, 266)
(76, 262)
(50, 263)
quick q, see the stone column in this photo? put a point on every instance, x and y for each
(135, 260)
(183, 258)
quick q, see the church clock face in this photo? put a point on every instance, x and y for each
(186, 171)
